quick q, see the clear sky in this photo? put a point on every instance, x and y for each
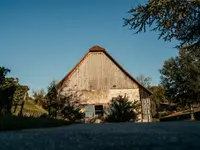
(41, 40)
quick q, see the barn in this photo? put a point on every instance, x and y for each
(99, 78)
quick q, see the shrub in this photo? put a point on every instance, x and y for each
(122, 110)
(71, 112)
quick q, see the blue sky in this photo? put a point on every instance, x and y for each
(41, 40)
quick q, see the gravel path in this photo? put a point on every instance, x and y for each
(126, 136)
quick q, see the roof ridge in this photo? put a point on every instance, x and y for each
(96, 48)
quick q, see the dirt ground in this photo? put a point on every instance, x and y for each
(126, 136)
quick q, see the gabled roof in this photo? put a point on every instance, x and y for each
(97, 48)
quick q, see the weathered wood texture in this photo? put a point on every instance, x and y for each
(104, 97)
(145, 106)
(98, 72)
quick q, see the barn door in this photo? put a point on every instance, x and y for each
(146, 113)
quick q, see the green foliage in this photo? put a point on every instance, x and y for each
(181, 78)
(71, 110)
(158, 93)
(8, 122)
(72, 114)
(52, 100)
(67, 106)
(3, 73)
(157, 97)
(19, 97)
(8, 82)
(7, 90)
(20, 94)
(174, 19)
(39, 97)
(29, 109)
(122, 110)
(11, 92)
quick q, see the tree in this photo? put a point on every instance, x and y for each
(7, 90)
(52, 100)
(67, 106)
(145, 81)
(19, 97)
(39, 97)
(11, 92)
(71, 110)
(122, 110)
(174, 19)
(181, 79)
(71, 104)
(157, 97)
(3, 71)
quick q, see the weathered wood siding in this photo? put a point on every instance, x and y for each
(98, 72)
(104, 97)
(132, 94)
(145, 106)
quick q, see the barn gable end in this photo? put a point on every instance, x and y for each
(99, 78)
(97, 70)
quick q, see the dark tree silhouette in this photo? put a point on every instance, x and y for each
(122, 110)
(173, 19)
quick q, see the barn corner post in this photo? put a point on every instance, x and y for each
(141, 111)
(150, 111)
(145, 105)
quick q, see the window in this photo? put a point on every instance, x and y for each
(94, 110)
(89, 111)
(99, 110)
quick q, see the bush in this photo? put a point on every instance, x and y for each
(71, 113)
(9, 122)
(122, 110)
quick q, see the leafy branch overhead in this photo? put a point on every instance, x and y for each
(173, 19)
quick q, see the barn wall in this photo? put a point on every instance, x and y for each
(99, 79)
(146, 106)
(132, 94)
(98, 72)
(104, 97)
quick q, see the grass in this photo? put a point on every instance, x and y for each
(30, 119)
(30, 109)
(10, 122)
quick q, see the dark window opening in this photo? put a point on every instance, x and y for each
(99, 110)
